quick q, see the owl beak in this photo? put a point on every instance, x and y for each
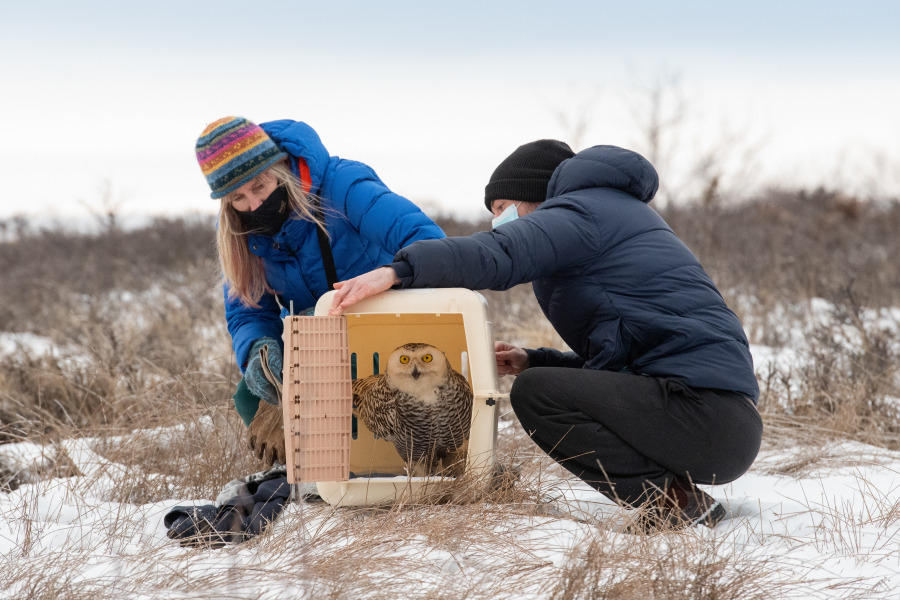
(416, 372)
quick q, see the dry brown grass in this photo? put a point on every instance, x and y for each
(141, 373)
(690, 567)
(788, 246)
(845, 386)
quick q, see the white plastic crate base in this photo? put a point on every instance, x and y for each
(438, 315)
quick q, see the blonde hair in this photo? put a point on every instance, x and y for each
(242, 271)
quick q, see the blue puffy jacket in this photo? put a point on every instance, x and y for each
(367, 223)
(611, 276)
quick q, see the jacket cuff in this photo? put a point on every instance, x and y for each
(404, 271)
(551, 357)
(536, 357)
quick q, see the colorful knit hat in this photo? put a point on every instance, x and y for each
(232, 151)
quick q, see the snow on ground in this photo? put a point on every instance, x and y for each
(836, 525)
(824, 522)
(36, 344)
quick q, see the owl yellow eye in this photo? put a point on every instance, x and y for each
(404, 359)
(426, 358)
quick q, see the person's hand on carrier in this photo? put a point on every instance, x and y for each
(361, 287)
(511, 360)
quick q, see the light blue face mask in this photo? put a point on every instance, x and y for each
(509, 214)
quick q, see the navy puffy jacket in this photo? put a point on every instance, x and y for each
(611, 276)
(367, 223)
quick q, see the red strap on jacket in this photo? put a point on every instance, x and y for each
(305, 179)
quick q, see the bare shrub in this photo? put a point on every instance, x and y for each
(46, 271)
(42, 395)
(134, 321)
(850, 373)
(790, 246)
(845, 386)
(119, 368)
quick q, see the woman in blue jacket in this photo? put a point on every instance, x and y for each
(292, 221)
(658, 392)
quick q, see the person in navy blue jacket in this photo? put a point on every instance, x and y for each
(658, 391)
(293, 220)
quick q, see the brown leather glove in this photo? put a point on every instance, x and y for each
(267, 433)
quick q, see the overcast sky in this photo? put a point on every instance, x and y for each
(112, 95)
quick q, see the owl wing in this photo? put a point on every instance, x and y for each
(455, 411)
(362, 386)
(374, 404)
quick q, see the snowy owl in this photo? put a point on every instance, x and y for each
(420, 404)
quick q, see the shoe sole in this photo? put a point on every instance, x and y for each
(711, 516)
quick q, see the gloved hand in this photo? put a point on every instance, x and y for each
(267, 434)
(255, 375)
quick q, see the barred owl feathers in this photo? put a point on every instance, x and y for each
(420, 404)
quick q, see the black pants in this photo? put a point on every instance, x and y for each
(629, 435)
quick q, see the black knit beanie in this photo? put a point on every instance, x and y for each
(525, 173)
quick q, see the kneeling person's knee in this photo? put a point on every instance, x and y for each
(527, 395)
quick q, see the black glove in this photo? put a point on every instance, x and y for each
(243, 514)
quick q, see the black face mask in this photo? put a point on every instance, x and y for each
(269, 216)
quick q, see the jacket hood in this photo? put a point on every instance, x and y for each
(606, 167)
(301, 141)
